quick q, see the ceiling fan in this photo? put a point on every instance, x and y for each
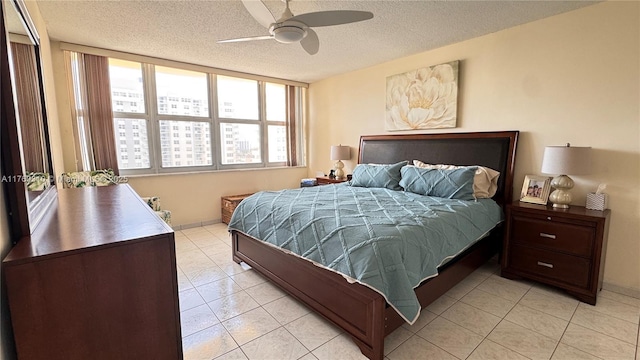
(289, 28)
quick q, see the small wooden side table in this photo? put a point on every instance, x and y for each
(229, 204)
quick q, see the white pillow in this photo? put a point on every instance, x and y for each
(485, 181)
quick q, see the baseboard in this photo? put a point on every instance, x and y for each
(634, 293)
(196, 224)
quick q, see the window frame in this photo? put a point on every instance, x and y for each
(153, 118)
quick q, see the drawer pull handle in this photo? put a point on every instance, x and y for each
(545, 235)
(550, 266)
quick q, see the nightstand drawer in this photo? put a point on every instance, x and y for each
(565, 268)
(556, 236)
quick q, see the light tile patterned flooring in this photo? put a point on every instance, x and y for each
(228, 311)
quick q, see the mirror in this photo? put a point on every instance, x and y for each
(27, 166)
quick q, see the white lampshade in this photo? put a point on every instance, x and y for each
(563, 161)
(566, 160)
(340, 152)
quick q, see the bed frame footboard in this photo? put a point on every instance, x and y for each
(355, 308)
(358, 310)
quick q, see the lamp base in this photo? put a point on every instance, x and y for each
(338, 167)
(561, 197)
(560, 206)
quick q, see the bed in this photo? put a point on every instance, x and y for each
(357, 309)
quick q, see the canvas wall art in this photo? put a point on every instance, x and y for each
(425, 98)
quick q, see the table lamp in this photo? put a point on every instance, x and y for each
(340, 153)
(565, 160)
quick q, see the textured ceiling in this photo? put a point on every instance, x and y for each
(187, 31)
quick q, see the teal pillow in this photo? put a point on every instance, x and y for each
(449, 184)
(377, 176)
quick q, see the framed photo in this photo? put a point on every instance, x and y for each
(536, 189)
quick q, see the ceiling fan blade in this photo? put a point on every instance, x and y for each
(260, 12)
(333, 17)
(310, 43)
(265, 37)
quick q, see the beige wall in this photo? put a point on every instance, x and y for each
(195, 198)
(570, 78)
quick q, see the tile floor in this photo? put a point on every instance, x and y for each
(230, 312)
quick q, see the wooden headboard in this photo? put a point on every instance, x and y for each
(495, 150)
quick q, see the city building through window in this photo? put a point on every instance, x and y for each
(164, 123)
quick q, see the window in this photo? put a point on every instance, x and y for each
(276, 106)
(246, 144)
(200, 130)
(124, 76)
(237, 98)
(189, 85)
(251, 121)
(276, 102)
(277, 143)
(133, 142)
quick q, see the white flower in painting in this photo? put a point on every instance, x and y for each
(425, 98)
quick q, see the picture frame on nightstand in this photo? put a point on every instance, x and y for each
(536, 189)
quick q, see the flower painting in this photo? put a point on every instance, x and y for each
(426, 98)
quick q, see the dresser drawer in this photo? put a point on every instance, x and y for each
(556, 236)
(569, 269)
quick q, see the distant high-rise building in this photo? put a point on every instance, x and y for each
(186, 143)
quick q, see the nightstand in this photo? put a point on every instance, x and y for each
(565, 248)
(229, 204)
(323, 180)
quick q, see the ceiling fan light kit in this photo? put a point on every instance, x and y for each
(288, 33)
(290, 29)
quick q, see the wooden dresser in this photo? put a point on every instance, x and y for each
(96, 280)
(563, 248)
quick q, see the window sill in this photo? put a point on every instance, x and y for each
(214, 171)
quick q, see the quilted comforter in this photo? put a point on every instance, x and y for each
(387, 240)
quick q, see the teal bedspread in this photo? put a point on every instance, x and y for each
(387, 240)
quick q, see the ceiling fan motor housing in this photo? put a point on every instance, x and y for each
(288, 32)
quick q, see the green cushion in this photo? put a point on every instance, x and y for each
(37, 181)
(91, 178)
